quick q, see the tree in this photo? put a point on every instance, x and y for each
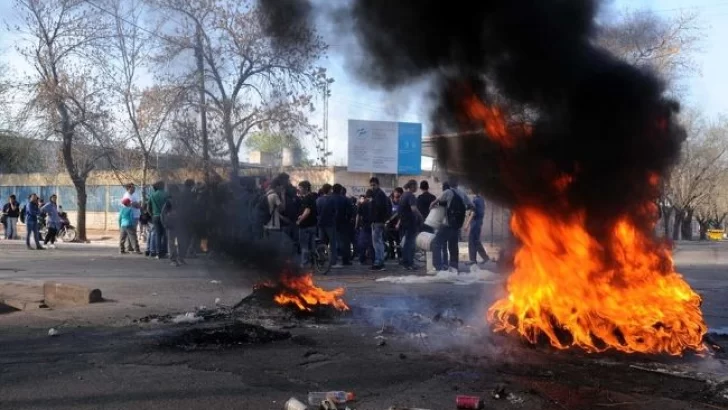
(147, 111)
(65, 45)
(250, 79)
(644, 39)
(696, 181)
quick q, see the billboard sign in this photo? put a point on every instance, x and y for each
(385, 147)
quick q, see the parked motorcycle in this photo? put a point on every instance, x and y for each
(67, 232)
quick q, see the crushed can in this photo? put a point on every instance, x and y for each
(294, 404)
(468, 402)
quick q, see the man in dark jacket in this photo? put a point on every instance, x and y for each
(11, 211)
(342, 209)
(326, 213)
(424, 200)
(380, 209)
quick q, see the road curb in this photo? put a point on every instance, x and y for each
(65, 294)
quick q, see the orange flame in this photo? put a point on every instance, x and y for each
(301, 292)
(562, 281)
(620, 292)
(493, 120)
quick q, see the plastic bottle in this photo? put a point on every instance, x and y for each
(339, 397)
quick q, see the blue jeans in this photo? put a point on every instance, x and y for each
(445, 238)
(307, 239)
(32, 227)
(475, 247)
(409, 235)
(11, 228)
(328, 234)
(378, 241)
(152, 242)
(160, 235)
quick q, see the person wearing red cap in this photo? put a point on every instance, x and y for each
(127, 228)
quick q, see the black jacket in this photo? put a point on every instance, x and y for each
(381, 209)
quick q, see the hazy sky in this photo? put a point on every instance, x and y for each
(352, 100)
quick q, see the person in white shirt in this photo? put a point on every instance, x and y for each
(136, 205)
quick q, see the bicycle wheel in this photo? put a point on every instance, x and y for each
(420, 256)
(322, 259)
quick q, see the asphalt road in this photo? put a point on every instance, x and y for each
(104, 358)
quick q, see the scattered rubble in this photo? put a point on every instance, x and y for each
(514, 399)
(189, 317)
(499, 392)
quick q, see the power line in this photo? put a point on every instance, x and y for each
(146, 30)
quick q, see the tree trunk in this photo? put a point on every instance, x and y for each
(145, 167)
(687, 226)
(81, 205)
(79, 181)
(703, 230)
(676, 225)
(234, 158)
(666, 212)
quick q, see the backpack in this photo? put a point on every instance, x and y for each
(264, 213)
(456, 211)
(22, 214)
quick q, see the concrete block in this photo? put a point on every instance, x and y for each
(56, 294)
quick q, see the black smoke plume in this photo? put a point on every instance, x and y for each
(589, 115)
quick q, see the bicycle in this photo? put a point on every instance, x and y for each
(320, 258)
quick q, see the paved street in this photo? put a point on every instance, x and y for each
(105, 358)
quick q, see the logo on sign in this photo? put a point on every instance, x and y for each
(361, 133)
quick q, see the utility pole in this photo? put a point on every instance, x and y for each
(203, 103)
(323, 145)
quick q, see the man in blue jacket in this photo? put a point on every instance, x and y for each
(32, 210)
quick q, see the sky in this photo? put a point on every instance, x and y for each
(351, 99)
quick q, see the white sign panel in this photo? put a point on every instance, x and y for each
(373, 146)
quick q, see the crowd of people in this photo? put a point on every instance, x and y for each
(375, 226)
(35, 214)
(370, 228)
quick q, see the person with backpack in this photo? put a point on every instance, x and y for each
(30, 214)
(380, 211)
(456, 203)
